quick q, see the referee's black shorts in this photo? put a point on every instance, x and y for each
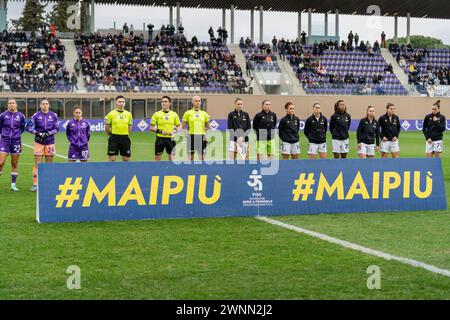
(119, 144)
(162, 144)
(197, 143)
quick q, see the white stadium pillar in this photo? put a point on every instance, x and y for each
(337, 23)
(299, 25)
(309, 25)
(252, 25)
(232, 24)
(261, 24)
(395, 28)
(408, 28)
(224, 18)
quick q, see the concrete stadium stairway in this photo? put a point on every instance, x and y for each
(240, 59)
(286, 68)
(70, 57)
(399, 72)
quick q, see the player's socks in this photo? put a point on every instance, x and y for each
(14, 177)
(35, 175)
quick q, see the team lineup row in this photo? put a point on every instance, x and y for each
(372, 134)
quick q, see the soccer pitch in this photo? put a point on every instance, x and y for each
(230, 258)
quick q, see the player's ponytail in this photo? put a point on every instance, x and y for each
(437, 104)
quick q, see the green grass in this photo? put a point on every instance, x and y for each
(233, 258)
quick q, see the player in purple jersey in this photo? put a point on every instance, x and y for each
(78, 133)
(43, 125)
(12, 125)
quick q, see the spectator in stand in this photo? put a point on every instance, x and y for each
(73, 82)
(150, 31)
(125, 29)
(77, 67)
(180, 29)
(225, 36)
(53, 30)
(356, 40)
(274, 44)
(211, 33)
(383, 40)
(303, 34)
(350, 38)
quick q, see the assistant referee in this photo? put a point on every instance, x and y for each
(198, 122)
(118, 125)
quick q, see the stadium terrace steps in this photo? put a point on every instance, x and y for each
(286, 68)
(71, 56)
(240, 59)
(399, 72)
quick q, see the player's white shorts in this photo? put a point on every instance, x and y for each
(389, 146)
(234, 148)
(367, 149)
(340, 146)
(435, 146)
(290, 148)
(315, 148)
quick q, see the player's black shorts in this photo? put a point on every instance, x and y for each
(162, 144)
(118, 143)
(197, 143)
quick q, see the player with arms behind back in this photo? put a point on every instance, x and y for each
(118, 125)
(339, 125)
(316, 132)
(198, 122)
(78, 133)
(12, 125)
(434, 126)
(389, 132)
(288, 130)
(239, 124)
(367, 134)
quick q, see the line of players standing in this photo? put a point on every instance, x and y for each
(372, 134)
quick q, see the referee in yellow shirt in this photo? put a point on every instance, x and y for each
(163, 123)
(118, 125)
(198, 122)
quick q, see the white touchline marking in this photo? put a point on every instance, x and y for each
(357, 247)
(31, 147)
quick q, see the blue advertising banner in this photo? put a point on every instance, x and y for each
(141, 125)
(70, 192)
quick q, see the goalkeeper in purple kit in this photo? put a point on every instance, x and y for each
(78, 133)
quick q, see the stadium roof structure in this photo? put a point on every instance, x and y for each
(417, 8)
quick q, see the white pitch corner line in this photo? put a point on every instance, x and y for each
(357, 247)
(56, 155)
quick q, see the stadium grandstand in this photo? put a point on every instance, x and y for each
(163, 60)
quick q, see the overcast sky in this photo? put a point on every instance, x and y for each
(197, 22)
